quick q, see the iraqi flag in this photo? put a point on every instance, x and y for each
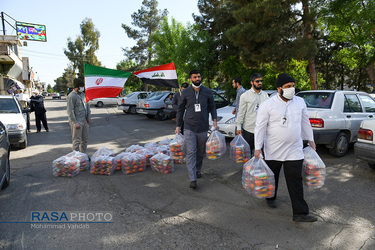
(103, 82)
(163, 75)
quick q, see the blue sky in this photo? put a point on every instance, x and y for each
(63, 18)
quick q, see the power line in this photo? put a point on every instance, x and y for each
(63, 55)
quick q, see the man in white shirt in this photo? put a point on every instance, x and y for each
(248, 109)
(281, 126)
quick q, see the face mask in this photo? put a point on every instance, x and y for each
(288, 93)
(196, 84)
(81, 89)
(34, 95)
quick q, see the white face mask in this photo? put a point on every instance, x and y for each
(288, 93)
(34, 95)
(81, 89)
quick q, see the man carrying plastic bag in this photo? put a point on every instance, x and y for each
(195, 104)
(281, 126)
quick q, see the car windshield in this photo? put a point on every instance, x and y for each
(317, 99)
(8, 106)
(153, 94)
(157, 96)
(129, 95)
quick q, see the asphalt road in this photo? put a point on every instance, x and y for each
(153, 211)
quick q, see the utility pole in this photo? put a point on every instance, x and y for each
(3, 22)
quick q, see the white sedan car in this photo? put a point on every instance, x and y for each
(364, 148)
(226, 121)
(100, 102)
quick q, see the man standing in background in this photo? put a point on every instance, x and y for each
(236, 83)
(248, 109)
(79, 116)
(176, 100)
(37, 105)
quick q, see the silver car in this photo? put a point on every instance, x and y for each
(336, 115)
(128, 103)
(364, 148)
(4, 157)
(154, 105)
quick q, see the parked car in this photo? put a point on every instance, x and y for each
(219, 99)
(154, 105)
(56, 96)
(100, 102)
(364, 148)
(4, 157)
(62, 93)
(336, 115)
(226, 121)
(13, 116)
(128, 103)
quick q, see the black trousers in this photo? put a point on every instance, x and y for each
(249, 138)
(41, 118)
(28, 121)
(293, 177)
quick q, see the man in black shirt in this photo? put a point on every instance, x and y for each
(196, 102)
(37, 105)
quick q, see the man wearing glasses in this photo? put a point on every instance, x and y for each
(248, 108)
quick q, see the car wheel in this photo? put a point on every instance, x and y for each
(99, 104)
(7, 167)
(341, 145)
(150, 116)
(132, 110)
(24, 144)
(160, 115)
(371, 166)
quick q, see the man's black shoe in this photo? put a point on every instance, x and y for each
(38, 131)
(199, 175)
(193, 185)
(272, 203)
(304, 218)
(47, 130)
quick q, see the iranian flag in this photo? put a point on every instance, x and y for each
(162, 75)
(103, 82)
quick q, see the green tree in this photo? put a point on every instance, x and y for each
(147, 19)
(173, 43)
(66, 80)
(133, 83)
(83, 49)
(352, 23)
(49, 88)
(275, 32)
(214, 19)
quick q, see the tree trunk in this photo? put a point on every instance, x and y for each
(313, 77)
(307, 24)
(371, 73)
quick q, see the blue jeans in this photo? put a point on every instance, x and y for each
(195, 152)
